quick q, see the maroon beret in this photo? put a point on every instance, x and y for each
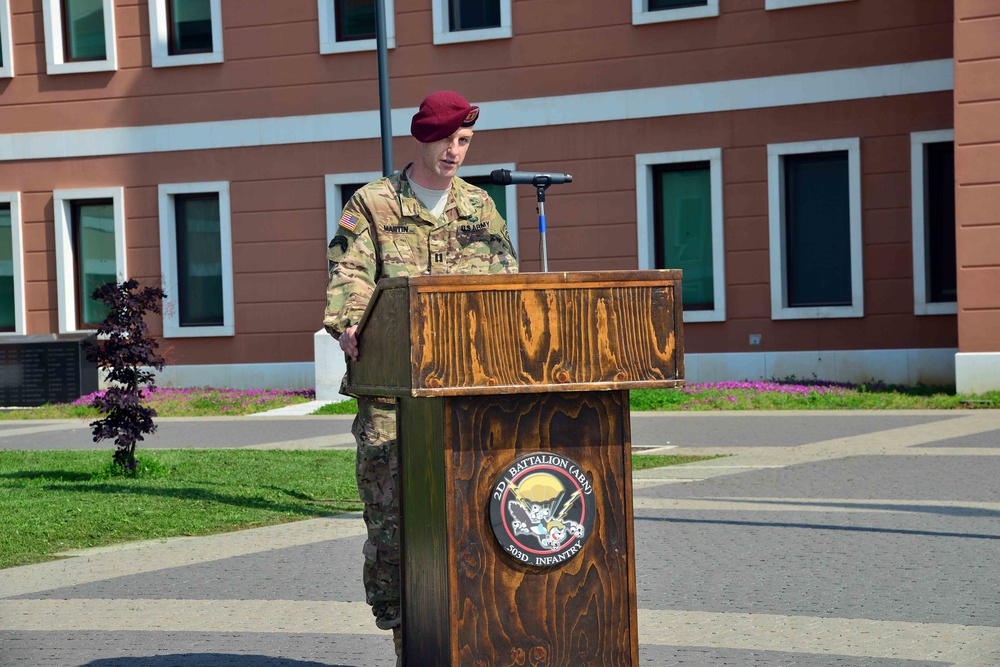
(440, 115)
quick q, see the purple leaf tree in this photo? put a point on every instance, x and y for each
(126, 352)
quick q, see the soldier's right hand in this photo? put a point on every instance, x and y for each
(349, 342)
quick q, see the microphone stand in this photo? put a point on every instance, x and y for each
(541, 183)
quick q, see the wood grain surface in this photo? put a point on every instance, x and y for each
(522, 333)
(580, 612)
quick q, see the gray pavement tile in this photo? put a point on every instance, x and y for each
(671, 656)
(902, 477)
(987, 439)
(858, 566)
(323, 571)
(200, 433)
(193, 649)
(765, 430)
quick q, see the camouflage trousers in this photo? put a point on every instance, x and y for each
(378, 485)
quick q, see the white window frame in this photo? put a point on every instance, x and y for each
(159, 38)
(65, 276)
(6, 41)
(442, 35)
(17, 248)
(646, 221)
(788, 4)
(776, 226)
(54, 56)
(335, 201)
(168, 260)
(328, 31)
(918, 142)
(641, 15)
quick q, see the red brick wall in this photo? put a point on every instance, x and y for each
(977, 173)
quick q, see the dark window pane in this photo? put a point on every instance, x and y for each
(190, 23)
(347, 191)
(473, 14)
(199, 260)
(675, 4)
(6, 269)
(818, 229)
(94, 256)
(355, 19)
(682, 209)
(939, 223)
(496, 192)
(83, 30)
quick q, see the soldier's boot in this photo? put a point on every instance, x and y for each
(397, 642)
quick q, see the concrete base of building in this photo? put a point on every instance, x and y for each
(977, 372)
(298, 375)
(907, 367)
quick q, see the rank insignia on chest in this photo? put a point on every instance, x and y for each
(349, 221)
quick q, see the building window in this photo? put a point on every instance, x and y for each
(788, 4)
(471, 20)
(814, 205)
(12, 314)
(341, 187)
(185, 32)
(660, 11)
(680, 224)
(93, 241)
(933, 203)
(196, 260)
(349, 25)
(90, 251)
(6, 42)
(79, 36)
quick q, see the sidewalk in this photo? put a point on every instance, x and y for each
(850, 539)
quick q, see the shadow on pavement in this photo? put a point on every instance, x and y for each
(205, 660)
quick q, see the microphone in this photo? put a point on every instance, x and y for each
(507, 177)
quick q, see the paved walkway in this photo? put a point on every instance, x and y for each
(856, 539)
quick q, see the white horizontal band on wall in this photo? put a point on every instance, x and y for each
(774, 91)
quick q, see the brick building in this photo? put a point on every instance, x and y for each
(826, 172)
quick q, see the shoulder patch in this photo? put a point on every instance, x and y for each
(339, 241)
(349, 221)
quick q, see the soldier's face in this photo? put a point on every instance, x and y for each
(439, 160)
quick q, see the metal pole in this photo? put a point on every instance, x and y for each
(544, 251)
(384, 106)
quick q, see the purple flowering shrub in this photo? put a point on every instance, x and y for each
(789, 393)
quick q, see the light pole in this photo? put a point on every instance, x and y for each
(384, 106)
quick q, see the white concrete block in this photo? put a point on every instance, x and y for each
(330, 367)
(977, 372)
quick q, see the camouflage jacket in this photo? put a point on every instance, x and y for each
(386, 231)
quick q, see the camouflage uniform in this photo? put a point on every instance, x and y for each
(386, 231)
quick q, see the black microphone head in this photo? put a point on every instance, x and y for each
(500, 177)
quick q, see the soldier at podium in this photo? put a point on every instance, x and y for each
(421, 220)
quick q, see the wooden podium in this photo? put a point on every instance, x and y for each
(515, 451)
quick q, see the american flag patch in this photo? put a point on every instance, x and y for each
(349, 221)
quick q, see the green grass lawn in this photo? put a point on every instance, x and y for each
(54, 501)
(789, 394)
(195, 402)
